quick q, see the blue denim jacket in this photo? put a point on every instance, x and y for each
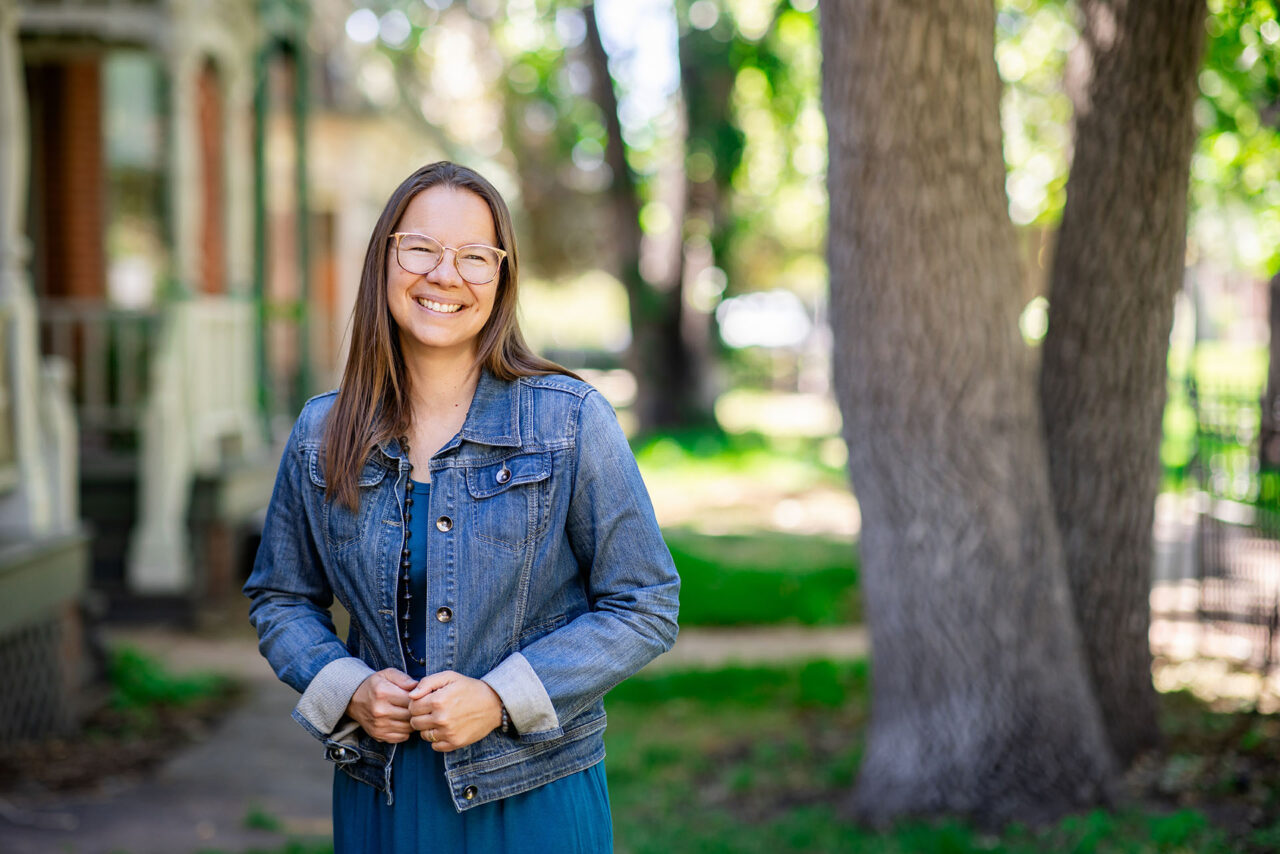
(547, 578)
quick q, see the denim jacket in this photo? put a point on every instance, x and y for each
(547, 578)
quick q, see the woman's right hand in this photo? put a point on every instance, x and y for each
(381, 705)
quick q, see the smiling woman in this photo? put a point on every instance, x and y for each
(434, 304)
(478, 512)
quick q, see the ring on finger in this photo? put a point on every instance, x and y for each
(431, 736)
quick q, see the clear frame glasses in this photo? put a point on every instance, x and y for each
(476, 263)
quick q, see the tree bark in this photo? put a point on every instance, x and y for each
(669, 376)
(1118, 265)
(980, 701)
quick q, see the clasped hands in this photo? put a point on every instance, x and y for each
(446, 708)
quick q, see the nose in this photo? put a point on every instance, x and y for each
(446, 272)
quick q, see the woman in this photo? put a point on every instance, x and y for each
(477, 511)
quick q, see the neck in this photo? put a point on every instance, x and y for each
(441, 382)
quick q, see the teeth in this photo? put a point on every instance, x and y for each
(446, 308)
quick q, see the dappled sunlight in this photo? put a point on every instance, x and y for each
(780, 468)
(772, 413)
(730, 504)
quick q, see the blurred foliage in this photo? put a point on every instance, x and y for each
(761, 759)
(1235, 170)
(139, 683)
(293, 846)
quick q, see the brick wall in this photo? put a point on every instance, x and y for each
(213, 255)
(68, 178)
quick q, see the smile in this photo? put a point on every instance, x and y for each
(442, 307)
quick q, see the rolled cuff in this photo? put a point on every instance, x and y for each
(326, 699)
(524, 695)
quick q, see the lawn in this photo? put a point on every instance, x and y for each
(762, 760)
(765, 578)
(761, 527)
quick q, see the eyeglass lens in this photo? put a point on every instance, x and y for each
(419, 254)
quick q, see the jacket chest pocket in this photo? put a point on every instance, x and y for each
(342, 527)
(509, 499)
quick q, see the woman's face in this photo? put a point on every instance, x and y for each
(440, 313)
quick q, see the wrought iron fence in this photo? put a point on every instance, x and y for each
(1238, 529)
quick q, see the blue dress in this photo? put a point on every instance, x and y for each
(568, 816)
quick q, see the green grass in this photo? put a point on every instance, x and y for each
(257, 818)
(763, 760)
(784, 463)
(293, 846)
(142, 688)
(765, 579)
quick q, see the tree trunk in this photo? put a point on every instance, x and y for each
(980, 701)
(669, 376)
(1118, 265)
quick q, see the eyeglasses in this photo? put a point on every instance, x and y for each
(476, 263)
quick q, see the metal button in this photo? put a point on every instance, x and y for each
(342, 755)
(469, 792)
(504, 475)
(444, 523)
(444, 615)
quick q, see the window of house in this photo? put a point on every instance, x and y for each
(133, 132)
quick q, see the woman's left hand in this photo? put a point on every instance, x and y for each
(451, 710)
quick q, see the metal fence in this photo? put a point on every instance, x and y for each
(1238, 526)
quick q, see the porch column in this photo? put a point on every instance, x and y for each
(34, 505)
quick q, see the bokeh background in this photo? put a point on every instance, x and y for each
(186, 194)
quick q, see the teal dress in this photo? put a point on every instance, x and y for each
(568, 816)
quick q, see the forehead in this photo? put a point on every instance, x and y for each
(450, 215)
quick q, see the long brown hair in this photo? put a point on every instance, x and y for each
(373, 399)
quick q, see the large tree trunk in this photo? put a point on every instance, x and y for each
(1118, 265)
(669, 374)
(980, 701)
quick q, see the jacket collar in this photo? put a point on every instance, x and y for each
(493, 418)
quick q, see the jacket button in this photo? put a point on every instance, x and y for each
(469, 792)
(342, 755)
(444, 615)
(444, 523)
(504, 475)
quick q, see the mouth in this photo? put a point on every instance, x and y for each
(441, 307)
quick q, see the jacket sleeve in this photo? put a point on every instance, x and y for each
(632, 587)
(290, 598)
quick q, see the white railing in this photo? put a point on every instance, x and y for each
(176, 388)
(110, 351)
(200, 416)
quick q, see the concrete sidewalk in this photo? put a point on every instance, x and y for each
(259, 762)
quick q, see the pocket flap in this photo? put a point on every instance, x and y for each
(484, 481)
(371, 475)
